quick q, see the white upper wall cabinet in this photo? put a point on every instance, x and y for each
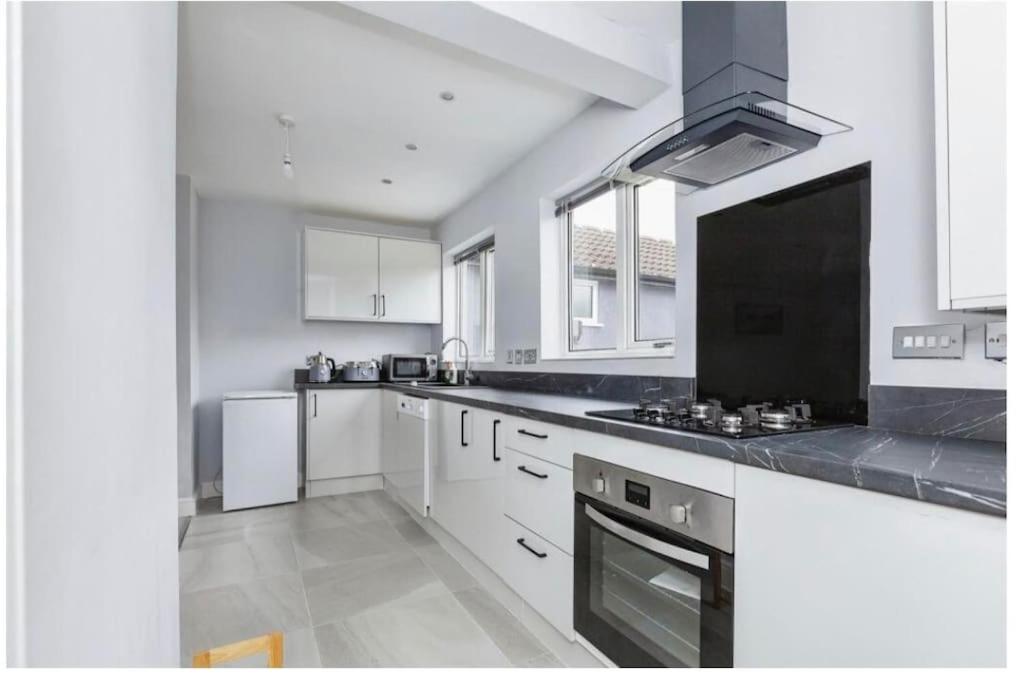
(970, 160)
(354, 276)
(410, 281)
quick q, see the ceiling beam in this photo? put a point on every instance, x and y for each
(559, 41)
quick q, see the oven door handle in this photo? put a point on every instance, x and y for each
(646, 542)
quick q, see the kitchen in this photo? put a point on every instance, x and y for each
(678, 340)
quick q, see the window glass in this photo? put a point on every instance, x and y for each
(471, 303)
(489, 303)
(594, 271)
(654, 251)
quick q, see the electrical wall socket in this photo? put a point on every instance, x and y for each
(510, 356)
(995, 341)
(928, 341)
(530, 356)
(519, 356)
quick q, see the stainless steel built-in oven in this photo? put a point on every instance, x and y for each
(653, 567)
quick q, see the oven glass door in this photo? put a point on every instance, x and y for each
(648, 597)
(408, 368)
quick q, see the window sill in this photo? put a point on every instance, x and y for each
(615, 354)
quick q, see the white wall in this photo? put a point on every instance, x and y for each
(96, 287)
(866, 64)
(187, 337)
(251, 331)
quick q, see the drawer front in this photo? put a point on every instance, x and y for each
(541, 574)
(541, 440)
(539, 495)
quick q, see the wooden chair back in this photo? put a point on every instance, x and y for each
(271, 643)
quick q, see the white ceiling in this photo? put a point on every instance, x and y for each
(661, 21)
(359, 89)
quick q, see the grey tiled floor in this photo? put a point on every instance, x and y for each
(351, 580)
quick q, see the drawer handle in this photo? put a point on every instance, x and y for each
(522, 542)
(462, 419)
(536, 436)
(494, 441)
(525, 470)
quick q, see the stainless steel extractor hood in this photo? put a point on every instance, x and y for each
(736, 118)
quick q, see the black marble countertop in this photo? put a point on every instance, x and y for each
(963, 473)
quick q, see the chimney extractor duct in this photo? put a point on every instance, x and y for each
(736, 118)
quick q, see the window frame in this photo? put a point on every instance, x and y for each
(627, 285)
(486, 309)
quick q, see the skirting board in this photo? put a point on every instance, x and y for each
(334, 487)
(570, 653)
(187, 507)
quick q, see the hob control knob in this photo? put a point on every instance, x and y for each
(598, 485)
(679, 514)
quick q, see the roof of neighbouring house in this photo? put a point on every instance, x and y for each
(595, 248)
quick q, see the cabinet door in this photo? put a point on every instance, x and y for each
(971, 154)
(342, 438)
(341, 275)
(410, 281)
(467, 480)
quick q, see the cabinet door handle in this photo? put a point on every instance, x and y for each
(494, 441)
(525, 470)
(374, 305)
(383, 306)
(536, 436)
(522, 542)
(463, 426)
(314, 405)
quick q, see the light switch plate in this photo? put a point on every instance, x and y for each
(928, 341)
(519, 356)
(529, 356)
(995, 341)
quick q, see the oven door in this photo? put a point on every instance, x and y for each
(408, 368)
(648, 597)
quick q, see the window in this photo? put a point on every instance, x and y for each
(474, 301)
(620, 268)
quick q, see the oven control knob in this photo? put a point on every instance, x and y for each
(679, 514)
(598, 485)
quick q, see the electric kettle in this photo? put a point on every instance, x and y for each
(321, 368)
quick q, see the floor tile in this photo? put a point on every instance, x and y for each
(413, 533)
(322, 547)
(342, 590)
(505, 630)
(339, 648)
(237, 562)
(447, 568)
(219, 616)
(432, 631)
(333, 511)
(547, 661)
(391, 510)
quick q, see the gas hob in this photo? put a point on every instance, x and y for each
(709, 417)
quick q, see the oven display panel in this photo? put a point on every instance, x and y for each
(638, 494)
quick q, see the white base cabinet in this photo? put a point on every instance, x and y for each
(541, 573)
(343, 434)
(468, 473)
(834, 576)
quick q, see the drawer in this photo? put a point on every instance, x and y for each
(541, 440)
(541, 574)
(539, 495)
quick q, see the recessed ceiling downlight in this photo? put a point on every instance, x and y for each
(411, 146)
(386, 181)
(447, 95)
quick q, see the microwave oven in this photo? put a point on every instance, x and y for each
(410, 367)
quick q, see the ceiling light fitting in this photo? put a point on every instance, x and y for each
(447, 96)
(386, 181)
(412, 146)
(287, 167)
